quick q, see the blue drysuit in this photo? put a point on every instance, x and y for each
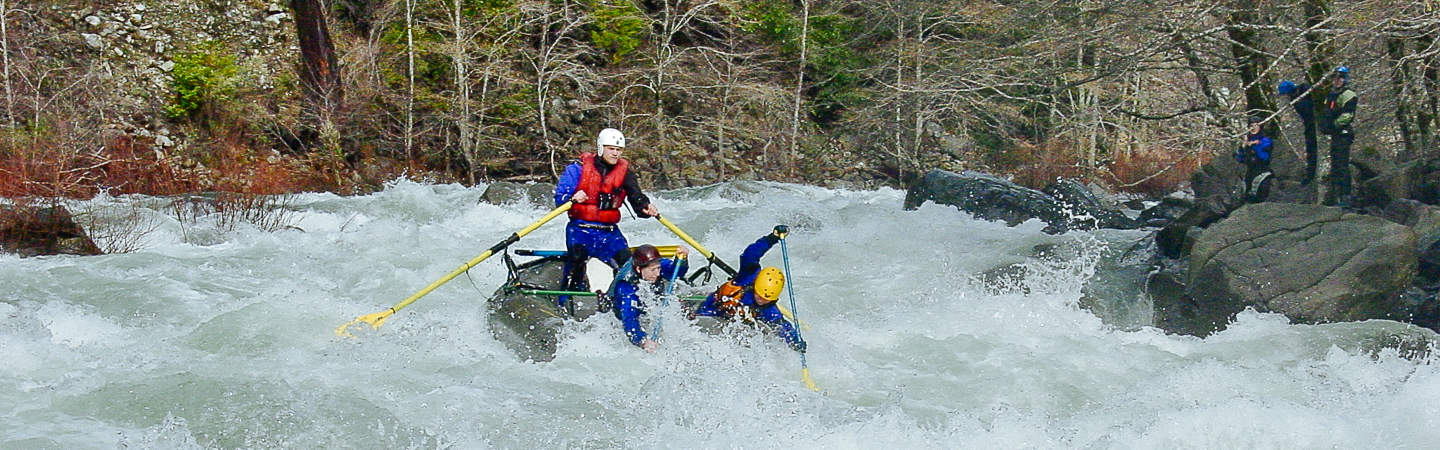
(745, 278)
(628, 306)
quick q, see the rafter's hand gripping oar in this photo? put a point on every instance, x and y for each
(377, 319)
(699, 248)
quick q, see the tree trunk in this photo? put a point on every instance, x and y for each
(1399, 77)
(410, 77)
(319, 68)
(5, 55)
(799, 85)
(1248, 50)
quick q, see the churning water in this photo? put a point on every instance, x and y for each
(212, 338)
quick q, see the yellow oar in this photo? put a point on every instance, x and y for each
(699, 248)
(377, 319)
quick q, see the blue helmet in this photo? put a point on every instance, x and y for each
(1344, 71)
(1286, 87)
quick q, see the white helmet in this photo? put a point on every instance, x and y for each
(609, 136)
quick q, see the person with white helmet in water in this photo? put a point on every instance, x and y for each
(750, 296)
(598, 183)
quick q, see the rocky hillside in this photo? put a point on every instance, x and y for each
(134, 45)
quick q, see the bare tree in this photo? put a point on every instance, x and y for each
(554, 59)
(410, 80)
(799, 84)
(5, 60)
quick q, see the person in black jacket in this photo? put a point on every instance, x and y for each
(1300, 98)
(1339, 116)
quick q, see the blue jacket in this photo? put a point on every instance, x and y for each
(745, 277)
(629, 307)
(1260, 151)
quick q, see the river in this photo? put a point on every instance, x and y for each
(212, 337)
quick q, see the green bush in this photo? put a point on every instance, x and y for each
(203, 82)
(617, 27)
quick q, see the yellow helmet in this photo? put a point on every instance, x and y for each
(768, 284)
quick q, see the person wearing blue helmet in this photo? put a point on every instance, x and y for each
(1339, 117)
(1300, 99)
(1255, 155)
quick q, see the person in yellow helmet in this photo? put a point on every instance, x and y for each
(750, 295)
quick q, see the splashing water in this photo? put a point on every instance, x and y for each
(222, 339)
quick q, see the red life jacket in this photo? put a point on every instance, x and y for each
(594, 186)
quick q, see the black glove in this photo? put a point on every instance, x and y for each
(798, 346)
(780, 231)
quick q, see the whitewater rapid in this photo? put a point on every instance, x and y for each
(206, 337)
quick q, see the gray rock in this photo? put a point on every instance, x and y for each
(93, 40)
(1168, 210)
(1311, 263)
(508, 192)
(990, 198)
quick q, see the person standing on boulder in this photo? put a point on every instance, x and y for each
(1255, 155)
(1339, 117)
(1299, 95)
(598, 183)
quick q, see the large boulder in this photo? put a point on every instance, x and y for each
(43, 231)
(990, 198)
(509, 192)
(1311, 263)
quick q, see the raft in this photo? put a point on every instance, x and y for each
(529, 325)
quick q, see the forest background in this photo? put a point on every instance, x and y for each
(262, 97)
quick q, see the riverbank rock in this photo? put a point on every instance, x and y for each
(43, 231)
(990, 198)
(1313, 264)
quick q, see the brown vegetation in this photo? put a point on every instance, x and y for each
(1130, 95)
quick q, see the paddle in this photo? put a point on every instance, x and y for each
(377, 319)
(804, 367)
(588, 294)
(665, 298)
(699, 248)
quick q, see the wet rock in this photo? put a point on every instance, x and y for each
(43, 231)
(508, 192)
(1169, 209)
(990, 198)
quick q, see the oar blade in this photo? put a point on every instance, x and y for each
(375, 320)
(809, 382)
